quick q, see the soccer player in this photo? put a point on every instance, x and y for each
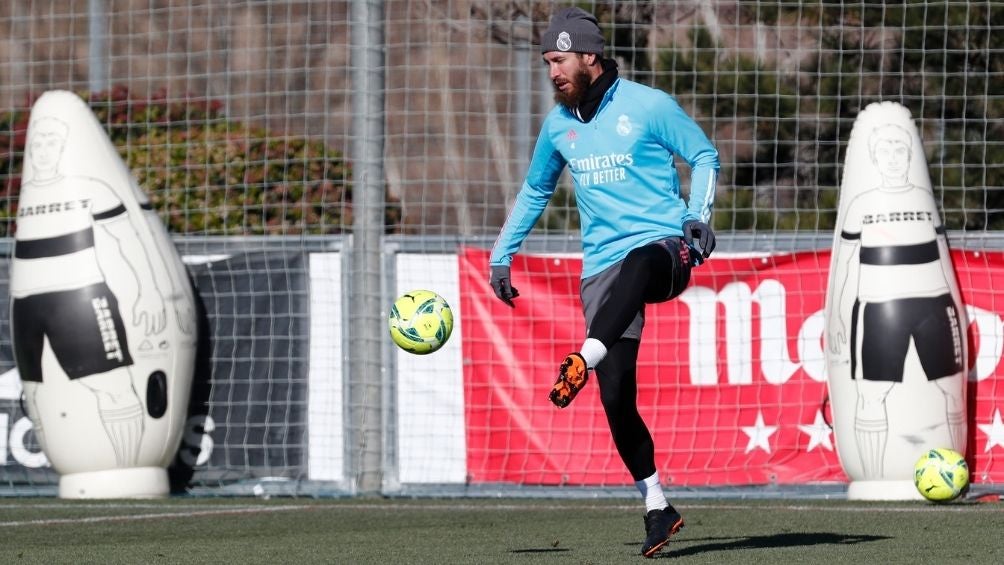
(640, 238)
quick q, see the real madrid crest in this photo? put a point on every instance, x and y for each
(564, 42)
(623, 125)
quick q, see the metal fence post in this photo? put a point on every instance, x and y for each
(364, 379)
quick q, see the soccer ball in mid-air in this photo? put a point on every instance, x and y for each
(420, 321)
(941, 474)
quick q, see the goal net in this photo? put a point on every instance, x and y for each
(313, 159)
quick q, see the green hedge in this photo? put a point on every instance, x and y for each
(206, 174)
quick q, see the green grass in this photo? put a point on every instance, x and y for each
(407, 531)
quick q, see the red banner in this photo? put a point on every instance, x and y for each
(731, 377)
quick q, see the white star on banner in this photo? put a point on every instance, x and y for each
(819, 432)
(759, 434)
(994, 431)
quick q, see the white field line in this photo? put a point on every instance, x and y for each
(195, 511)
(132, 517)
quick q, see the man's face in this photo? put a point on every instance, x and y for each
(570, 76)
(46, 149)
(892, 158)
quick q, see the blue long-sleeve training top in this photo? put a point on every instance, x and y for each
(621, 162)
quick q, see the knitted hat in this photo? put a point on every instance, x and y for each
(574, 30)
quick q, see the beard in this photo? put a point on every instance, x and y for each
(580, 83)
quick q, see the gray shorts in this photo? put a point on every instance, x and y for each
(594, 290)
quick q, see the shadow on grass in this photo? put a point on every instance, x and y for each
(801, 539)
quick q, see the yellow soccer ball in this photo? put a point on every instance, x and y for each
(941, 474)
(420, 322)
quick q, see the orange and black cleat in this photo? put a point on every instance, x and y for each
(660, 525)
(572, 376)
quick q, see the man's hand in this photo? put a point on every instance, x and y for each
(502, 285)
(699, 236)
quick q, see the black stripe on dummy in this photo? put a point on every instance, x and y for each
(120, 209)
(900, 254)
(54, 246)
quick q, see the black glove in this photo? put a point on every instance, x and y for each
(699, 236)
(501, 284)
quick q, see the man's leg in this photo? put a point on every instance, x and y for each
(121, 412)
(617, 375)
(647, 274)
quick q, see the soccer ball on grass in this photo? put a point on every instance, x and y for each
(941, 474)
(420, 322)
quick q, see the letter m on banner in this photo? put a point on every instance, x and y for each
(737, 300)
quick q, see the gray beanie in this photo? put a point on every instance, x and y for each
(574, 30)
